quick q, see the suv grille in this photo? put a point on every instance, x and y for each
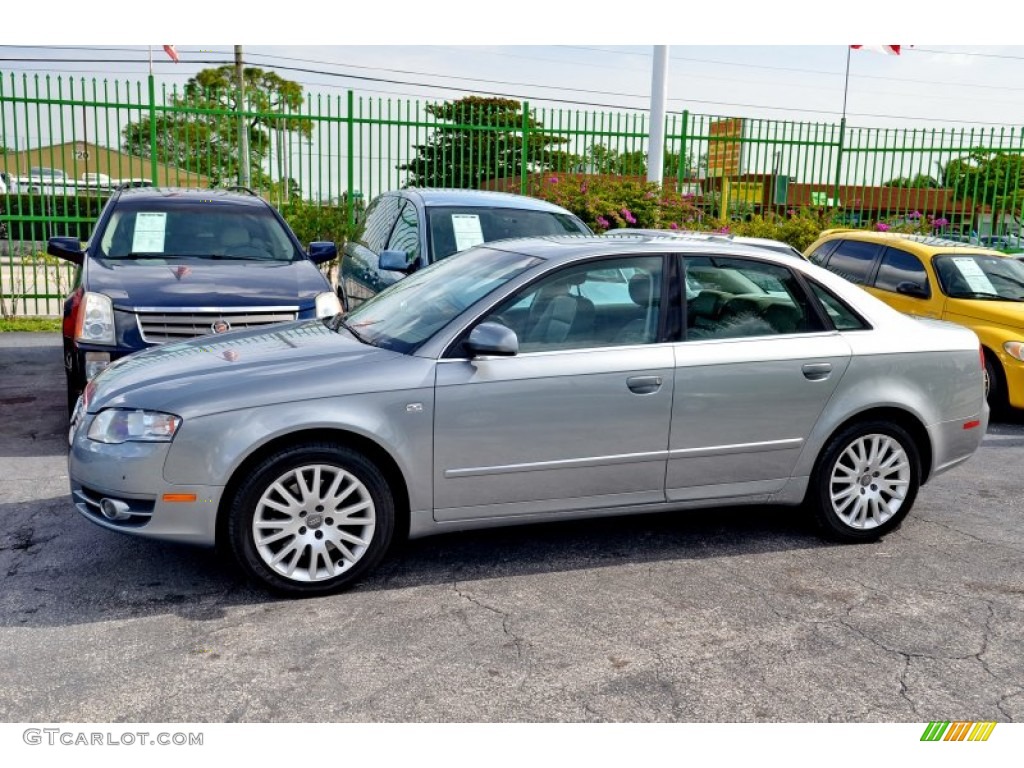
(164, 326)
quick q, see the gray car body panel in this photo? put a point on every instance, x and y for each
(537, 436)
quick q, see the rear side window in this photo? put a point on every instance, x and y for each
(897, 267)
(820, 255)
(853, 260)
(842, 317)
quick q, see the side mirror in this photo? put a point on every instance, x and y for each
(319, 252)
(492, 339)
(395, 261)
(67, 248)
(908, 288)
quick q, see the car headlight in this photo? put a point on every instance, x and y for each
(95, 321)
(327, 305)
(118, 425)
(1015, 349)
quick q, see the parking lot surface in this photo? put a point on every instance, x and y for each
(726, 615)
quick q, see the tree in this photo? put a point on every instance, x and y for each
(986, 177)
(601, 159)
(483, 141)
(920, 181)
(200, 133)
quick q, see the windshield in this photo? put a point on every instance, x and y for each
(202, 230)
(412, 310)
(454, 229)
(992, 278)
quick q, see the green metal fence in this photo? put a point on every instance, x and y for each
(68, 142)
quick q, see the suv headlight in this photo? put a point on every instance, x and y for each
(95, 321)
(118, 425)
(327, 305)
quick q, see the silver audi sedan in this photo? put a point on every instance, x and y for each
(524, 381)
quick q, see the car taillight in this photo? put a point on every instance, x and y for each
(981, 356)
(70, 324)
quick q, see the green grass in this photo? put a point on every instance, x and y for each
(36, 324)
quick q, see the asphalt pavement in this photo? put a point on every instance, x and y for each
(735, 615)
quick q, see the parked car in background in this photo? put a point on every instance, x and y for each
(487, 390)
(981, 289)
(761, 242)
(406, 230)
(170, 264)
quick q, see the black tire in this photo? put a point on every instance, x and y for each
(995, 385)
(308, 539)
(847, 464)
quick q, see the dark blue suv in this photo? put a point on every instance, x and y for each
(169, 264)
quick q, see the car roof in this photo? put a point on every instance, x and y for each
(430, 197)
(682, 234)
(565, 248)
(925, 244)
(189, 196)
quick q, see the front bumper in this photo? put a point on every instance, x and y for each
(131, 475)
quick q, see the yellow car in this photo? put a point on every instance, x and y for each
(979, 288)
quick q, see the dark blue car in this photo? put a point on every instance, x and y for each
(169, 264)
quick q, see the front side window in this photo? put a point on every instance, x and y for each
(735, 298)
(406, 235)
(605, 303)
(853, 260)
(897, 267)
(454, 229)
(375, 229)
(195, 230)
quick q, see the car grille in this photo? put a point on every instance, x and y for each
(164, 326)
(88, 500)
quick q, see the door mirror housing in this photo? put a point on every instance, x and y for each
(322, 251)
(908, 288)
(492, 339)
(395, 261)
(67, 248)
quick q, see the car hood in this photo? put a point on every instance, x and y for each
(205, 283)
(1004, 313)
(245, 369)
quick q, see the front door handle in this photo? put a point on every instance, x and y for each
(644, 385)
(817, 371)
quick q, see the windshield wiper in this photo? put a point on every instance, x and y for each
(338, 321)
(982, 296)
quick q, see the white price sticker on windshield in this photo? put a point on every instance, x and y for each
(150, 229)
(972, 272)
(468, 233)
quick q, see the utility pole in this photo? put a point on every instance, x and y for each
(243, 133)
(659, 95)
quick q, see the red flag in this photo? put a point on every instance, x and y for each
(169, 49)
(892, 50)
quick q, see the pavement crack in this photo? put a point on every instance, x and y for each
(506, 618)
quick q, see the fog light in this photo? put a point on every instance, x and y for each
(113, 509)
(95, 362)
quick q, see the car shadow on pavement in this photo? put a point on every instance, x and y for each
(57, 569)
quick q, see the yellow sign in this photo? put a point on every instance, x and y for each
(743, 192)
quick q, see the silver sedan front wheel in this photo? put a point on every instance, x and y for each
(866, 481)
(311, 519)
(314, 522)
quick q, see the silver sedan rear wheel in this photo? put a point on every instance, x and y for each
(314, 522)
(311, 518)
(866, 481)
(869, 481)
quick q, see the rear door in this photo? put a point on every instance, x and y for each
(751, 378)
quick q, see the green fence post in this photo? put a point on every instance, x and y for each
(152, 128)
(526, 144)
(682, 150)
(349, 201)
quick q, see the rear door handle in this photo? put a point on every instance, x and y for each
(644, 385)
(817, 371)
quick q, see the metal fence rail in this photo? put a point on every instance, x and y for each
(68, 142)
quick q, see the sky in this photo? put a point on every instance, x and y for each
(785, 62)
